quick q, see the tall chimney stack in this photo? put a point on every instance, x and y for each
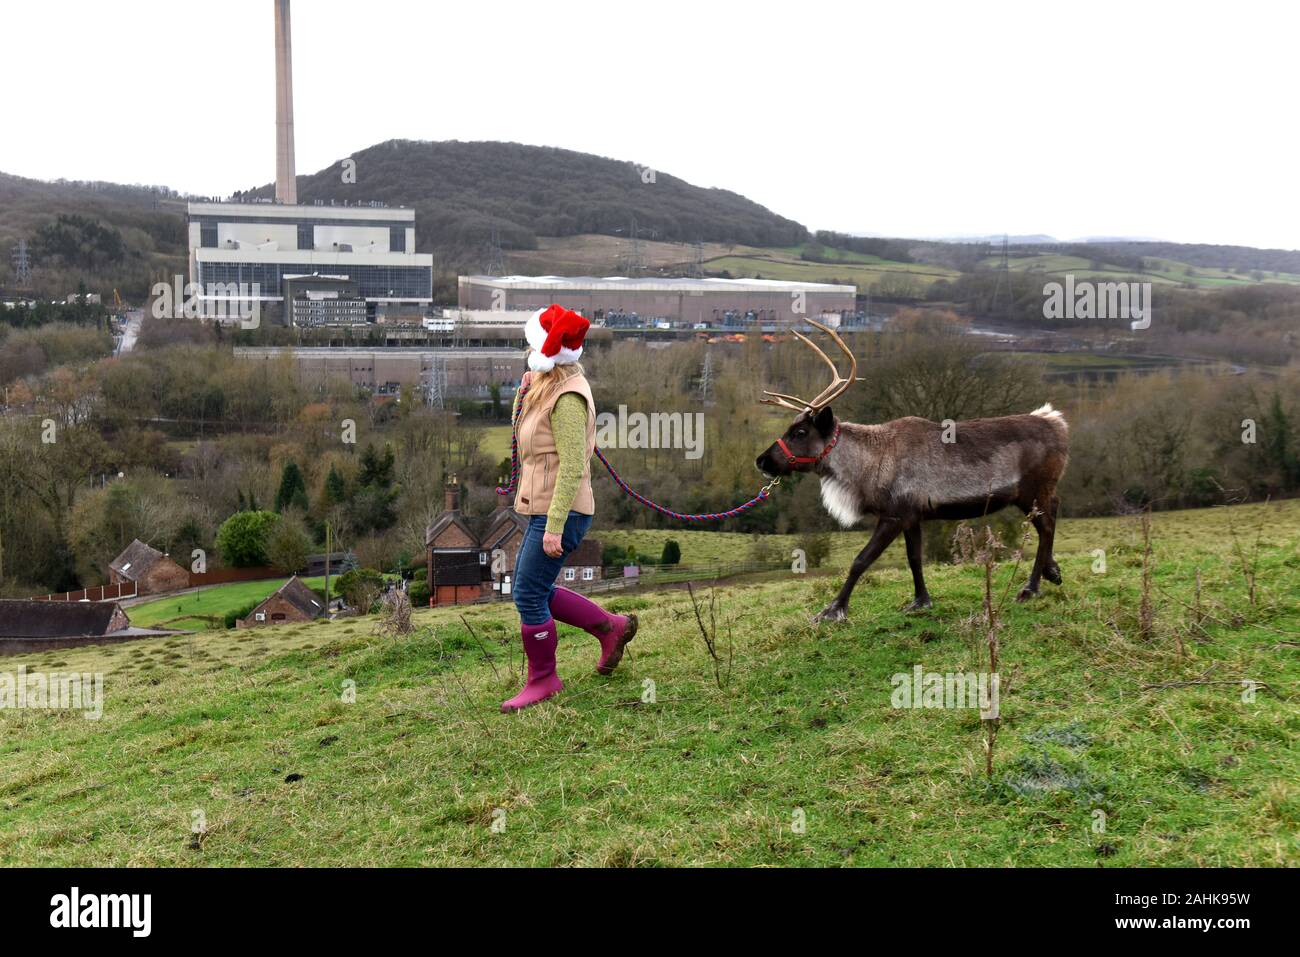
(286, 182)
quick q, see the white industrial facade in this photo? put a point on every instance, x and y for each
(254, 246)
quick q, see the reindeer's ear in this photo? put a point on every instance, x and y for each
(824, 421)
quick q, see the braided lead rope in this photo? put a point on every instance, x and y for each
(763, 494)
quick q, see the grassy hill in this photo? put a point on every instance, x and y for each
(1158, 271)
(150, 221)
(464, 191)
(604, 255)
(254, 730)
(198, 609)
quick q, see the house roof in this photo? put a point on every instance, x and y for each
(588, 552)
(56, 619)
(502, 522)
(297, 594)
(135, 560)
(452, 516)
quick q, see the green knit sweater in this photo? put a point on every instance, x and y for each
(569, 426)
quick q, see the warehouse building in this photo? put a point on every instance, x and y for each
(621, 301)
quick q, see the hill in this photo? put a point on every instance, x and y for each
(462, 192)
(110, 235)
(1112, 749)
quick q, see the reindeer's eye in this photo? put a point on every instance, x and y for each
(800, 433)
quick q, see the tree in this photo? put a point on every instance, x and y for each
(335, 489)
(931, 368)
(287, 545)
(672, 554)
(816, 547)
(243, 538)
(360, 587)
(293, 489)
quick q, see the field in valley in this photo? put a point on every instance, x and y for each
(331, 744)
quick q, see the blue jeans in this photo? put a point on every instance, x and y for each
(536, 571)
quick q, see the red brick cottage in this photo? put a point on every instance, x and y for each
(460, 550)
(291, 602)
(152, 571)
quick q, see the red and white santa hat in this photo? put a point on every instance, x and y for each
(556, 335)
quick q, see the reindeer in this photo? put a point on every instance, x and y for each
(904, 473)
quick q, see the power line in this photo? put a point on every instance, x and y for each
(435, 383)
(22, 264)
(706, 377)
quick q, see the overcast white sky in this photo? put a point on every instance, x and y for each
(1168, 120)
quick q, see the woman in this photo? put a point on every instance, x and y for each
(555, 431)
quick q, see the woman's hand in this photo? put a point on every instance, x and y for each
(552, 544)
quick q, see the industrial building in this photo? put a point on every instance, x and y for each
(318, 265)
(616, 300)
(460, 372)
(242, 253)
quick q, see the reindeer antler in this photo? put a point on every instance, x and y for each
(831, 392)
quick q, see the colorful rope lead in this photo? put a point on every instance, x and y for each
(763, 494)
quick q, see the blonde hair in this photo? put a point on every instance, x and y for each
(542, 385)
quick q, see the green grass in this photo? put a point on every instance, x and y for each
(1159, 271)
(417, 768)
(862, 271)
(194, 609)
(496, 442)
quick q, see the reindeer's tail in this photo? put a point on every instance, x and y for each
(1055, 416)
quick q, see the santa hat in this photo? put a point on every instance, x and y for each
(556, 335)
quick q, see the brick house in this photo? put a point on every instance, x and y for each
(459, 554)
(291, 602)
(152, 571)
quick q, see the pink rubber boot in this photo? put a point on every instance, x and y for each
(612, 631)
(540, 642)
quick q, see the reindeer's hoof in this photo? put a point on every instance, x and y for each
(831, 612)
(920, 604)
(1027, 593)
(1052, 573)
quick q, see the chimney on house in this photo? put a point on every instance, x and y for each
(286, 182)
(451, 495)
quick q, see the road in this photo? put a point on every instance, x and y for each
(135, 318)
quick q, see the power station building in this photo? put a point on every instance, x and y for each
(612, 300)
(242, 253)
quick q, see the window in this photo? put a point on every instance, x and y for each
(570, 574)
(208, 235)
(306, 236)
(482, 558)
(397, 239)
(588, 574)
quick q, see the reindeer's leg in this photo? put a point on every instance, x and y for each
(887, 530)
(915, 559)
(1051, 570)
(1044, 564)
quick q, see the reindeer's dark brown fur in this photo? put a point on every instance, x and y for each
(905, 473)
